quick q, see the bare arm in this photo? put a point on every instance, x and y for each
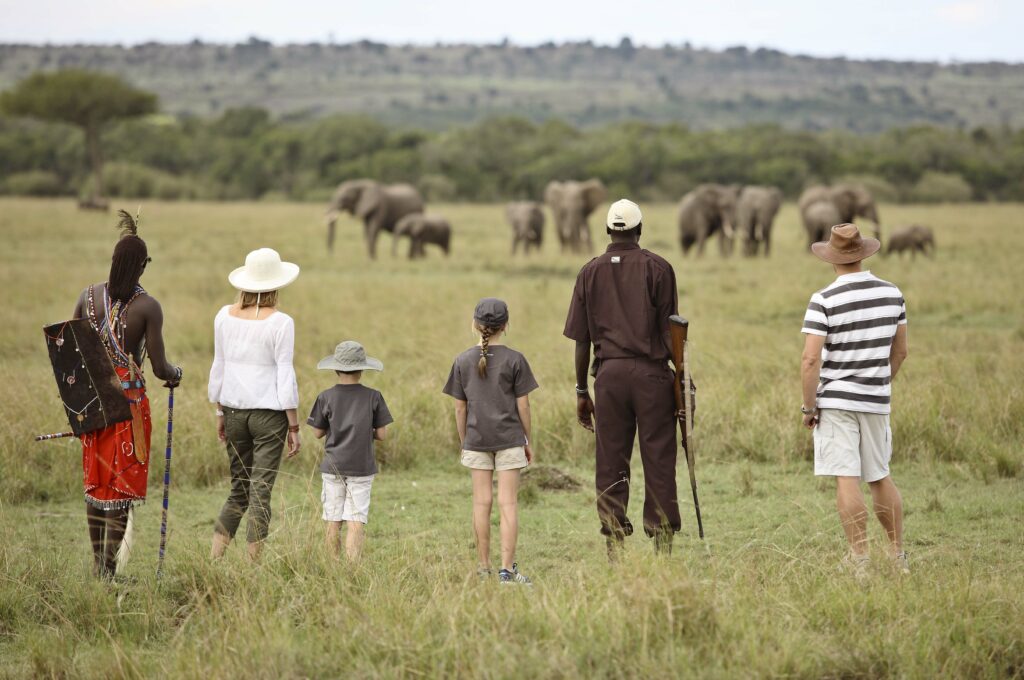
(380, 433)
(154, 315)
(584, 404)
(810, 373)
(899, 350)
(460, 419)
(523, 407)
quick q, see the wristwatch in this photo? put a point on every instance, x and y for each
(808, 411)
(219, 413)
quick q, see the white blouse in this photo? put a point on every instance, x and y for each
(252, 362)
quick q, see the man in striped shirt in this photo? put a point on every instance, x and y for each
(855, 342)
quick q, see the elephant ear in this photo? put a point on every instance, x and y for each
(369, 199)
(594, 194)
(553, 193)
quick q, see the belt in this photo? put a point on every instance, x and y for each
(132, 385)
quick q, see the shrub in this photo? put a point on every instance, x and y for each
(882, 190)
(33, 183)
(121, 179)
(940, 187)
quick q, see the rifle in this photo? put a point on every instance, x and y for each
(682, 386)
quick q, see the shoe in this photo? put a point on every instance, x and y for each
(901, 564)
(856, 566)
(506, 576)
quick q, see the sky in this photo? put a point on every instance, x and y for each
(942, 30)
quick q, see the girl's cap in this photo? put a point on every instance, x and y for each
(491, 312)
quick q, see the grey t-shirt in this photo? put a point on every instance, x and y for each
(492, 420)
(349, 413)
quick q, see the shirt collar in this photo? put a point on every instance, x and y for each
(856, 276)
(612, 247)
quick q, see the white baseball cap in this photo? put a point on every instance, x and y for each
(623, 215)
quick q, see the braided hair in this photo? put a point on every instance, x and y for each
(129, 259)
(486, 332)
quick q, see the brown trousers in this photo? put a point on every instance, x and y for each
(632, 395)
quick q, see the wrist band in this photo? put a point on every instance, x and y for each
(219, 413)
(293, 428)
(582, 390)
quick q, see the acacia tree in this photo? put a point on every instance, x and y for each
(86, 99)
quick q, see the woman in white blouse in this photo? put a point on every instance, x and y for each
(252, 382)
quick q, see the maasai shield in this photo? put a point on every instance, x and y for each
(89, 388)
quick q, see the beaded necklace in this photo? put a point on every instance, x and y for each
(112, 329)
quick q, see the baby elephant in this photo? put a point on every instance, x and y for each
(421, 230)
(913, 238)
(527, 220)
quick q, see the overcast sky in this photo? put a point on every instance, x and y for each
(945, 30)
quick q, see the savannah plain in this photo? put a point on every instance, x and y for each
(760, 597)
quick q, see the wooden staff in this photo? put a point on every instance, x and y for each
(55, 435)
(167, 483)
(684, 401)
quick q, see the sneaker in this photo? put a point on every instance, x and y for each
(901, 564)
(506, 576)
(856, 566)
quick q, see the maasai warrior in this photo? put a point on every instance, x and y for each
(621, 305)
(115, 459)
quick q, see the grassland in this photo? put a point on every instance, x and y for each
(763, 599)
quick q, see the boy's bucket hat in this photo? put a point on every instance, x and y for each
(263, 272)
(350, 356)
(491, 312)
(845, 245)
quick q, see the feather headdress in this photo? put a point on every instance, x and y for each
(128, 225)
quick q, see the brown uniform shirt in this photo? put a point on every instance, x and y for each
(621, 304)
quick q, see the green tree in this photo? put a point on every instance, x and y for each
(86, 99)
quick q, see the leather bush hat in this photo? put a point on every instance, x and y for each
(491, 312)
(845, 245)
(350, 356)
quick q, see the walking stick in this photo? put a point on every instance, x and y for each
(55, 435)
(167, 483)
(684, 402)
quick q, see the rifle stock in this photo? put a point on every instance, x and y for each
(678, 327)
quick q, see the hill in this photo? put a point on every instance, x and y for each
(585, 84)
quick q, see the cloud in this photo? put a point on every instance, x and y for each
(965, 12)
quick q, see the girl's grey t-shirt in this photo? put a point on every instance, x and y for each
(492, 420)
(349, 413)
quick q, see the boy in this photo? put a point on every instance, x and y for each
(351, 416)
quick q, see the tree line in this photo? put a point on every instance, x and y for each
(247, 154)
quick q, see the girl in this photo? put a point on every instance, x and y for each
(491, 384)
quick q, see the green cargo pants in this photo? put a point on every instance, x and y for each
(255, 443)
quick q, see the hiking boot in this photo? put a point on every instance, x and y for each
(856, 566)
(506, 576)
(900, 563)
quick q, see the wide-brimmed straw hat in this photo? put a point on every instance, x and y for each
(350, 356)
(263, 272)
(845, 245)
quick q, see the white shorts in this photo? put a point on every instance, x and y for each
(506, 459)
(852, 444)
(346, 499)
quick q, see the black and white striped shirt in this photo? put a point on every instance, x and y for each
(858, 314)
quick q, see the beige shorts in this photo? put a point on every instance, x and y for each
(506, 459)
(346, 499)
(852, 444)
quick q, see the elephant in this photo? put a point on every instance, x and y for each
(571, 203)
(819, 217)
(915, 238)
(527, 220)
(705, 211)
(421, 230)
(380, 206)
(851, 201)
(755, 213)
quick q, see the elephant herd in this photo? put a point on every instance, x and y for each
(729, 212)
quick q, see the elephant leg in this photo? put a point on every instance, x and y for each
(585, 239)
(767, 242)
(372, 232)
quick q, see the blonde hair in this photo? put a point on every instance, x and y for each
(268, 299)
(486, 333)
